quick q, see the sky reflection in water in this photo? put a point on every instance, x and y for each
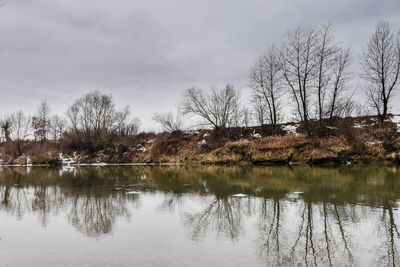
(203, 215)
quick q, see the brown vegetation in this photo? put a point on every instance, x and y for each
(361, 139)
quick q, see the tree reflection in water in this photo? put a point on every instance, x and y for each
(95, 215)
(92, 209)
(269, 227)
(220, 215)
(388, 253)
(299, 215)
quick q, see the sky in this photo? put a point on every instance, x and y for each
(147, 52)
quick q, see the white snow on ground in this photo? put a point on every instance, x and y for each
(396, 119)
(332, 128)
(98, 164)
(290, 129)
(28, 161)
(141, 148)
(101, 154)
(364, 124)
(202, 142)
(358, 125)
(65, 160)
(239, 195)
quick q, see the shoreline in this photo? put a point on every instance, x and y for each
(241, 163)
(350, 141)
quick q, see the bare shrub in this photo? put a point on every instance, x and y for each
(217, 109)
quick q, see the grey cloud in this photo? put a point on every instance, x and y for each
(146, 52)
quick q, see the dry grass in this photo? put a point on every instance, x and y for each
(371, 142)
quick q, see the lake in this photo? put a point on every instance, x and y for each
(200, 216)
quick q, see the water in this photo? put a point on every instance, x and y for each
(200, 216)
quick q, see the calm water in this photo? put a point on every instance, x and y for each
(200, 216)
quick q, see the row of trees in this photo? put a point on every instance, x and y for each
(91, 120)
(312, 69)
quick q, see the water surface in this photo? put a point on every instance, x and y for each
(199, 216)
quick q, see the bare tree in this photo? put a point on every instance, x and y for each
(246, 117)
(236, 119)
(41, 121)
(94, 115)
(299, 66)
(168, 121)
(381, 66)
(340, 79)
(325, 56)
(129, 128)
(57, 126)
(5, 124)
(316, 69)
(260, 109)
(346, 108)
(20, 129)
(217, 108)
(266, 81)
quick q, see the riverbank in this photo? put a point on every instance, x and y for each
(344, 141)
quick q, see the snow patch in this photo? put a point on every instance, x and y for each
(202, 142)
(140, 148)
(98, 164)
(332, 128)
(132, 192)
(359, 125)
(65, 160)
(239, 195)
(290, 128)
(396, 119)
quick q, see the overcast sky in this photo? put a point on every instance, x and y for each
(146, 52)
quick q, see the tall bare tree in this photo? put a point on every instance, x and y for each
(316, 68)
(20, 129)
(338, 105)
(246, 117)
(325, 55)
(57, 126)
(217, 108)
(381, 66)
(299, 66)
(260, 110)
(5, 124)
(41, 121)
(266, 81)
